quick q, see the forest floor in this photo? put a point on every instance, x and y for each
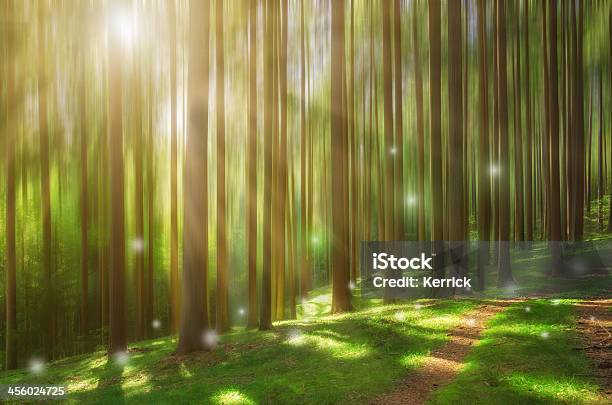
(516, 351)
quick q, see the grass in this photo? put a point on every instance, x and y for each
(319, 359)
(526, 356)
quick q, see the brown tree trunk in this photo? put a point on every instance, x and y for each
(418, 89)
(341, 295)
(194, 319)
(117, 310)
(400, 197)
(528, 134)
(391, 149)
(251, 167)
(84, 195)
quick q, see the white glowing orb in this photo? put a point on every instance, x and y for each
(352, 285)
(493, 170)
(241, 311)
(418, 306)
(592, 318)
(556, 302)
(471, 322)
(527, 309)
(393, 150)
(315, 240)
(36, 366)
(121, 358)
(295, 337)
(210, 338)
(156, 324)
(545, 335)
(137, 245)
(400, 316)
(411, 200)
(123, 24)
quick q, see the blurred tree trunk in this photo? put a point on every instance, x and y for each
(505, 271)
(519, 231)
(138, 241)
(400, 197)
(45, 185)
(251, 165)
(194, 319)
(265, 321)
(222, 320)
(84, 314)
(528, 134)
(391, 149)
(150, 288)
(341, 295)
(578, 155)
(117, 309)
(175, 293)
(418, 89)
(10, 287)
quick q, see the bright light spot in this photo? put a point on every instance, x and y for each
(418, 306)
(393, 150)
(352, 285)
(124, 25)
(315, 240)
(36, 366)
(471, 322)
(121, 358)
(232, 397)
(527, 309)
(295, 337)
(493, 170)
(411, 200)
(545, 335)
(592, 318)
(241, 311)
(137, 245)
(556, 302)
(156, 324)
(210, 338)
(400, 316)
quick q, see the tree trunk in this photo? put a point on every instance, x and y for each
(341, 295)
(251, 165)
(194, 319)
(400, 197)
(117, 310)
(84, 193)
(391, 150)
(528, 134)
(418, 89)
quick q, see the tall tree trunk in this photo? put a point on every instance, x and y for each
(194, 319)
(117, 310)
(505, 271)
(175, 294)
(138, 242)
(400, 197)
(519, 232)
(341, 295)
(265, 321)
(84, 191)
(391, 150)
(222, 320)
(251, 166)
(435, 133)
(528, 134)
(10, 287)
(610, 44)
(418, 90)
(45, 186)
(578, 155)
(150, 290)
(484, 180)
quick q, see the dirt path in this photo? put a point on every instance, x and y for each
(444, 363)
(595, 327)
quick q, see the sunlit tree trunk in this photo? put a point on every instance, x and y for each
(10, 138)
(391, 149)
(265, 320)
(341, 295)
(150, 290)
(194, 307)
(578, 155)
(222, 320)
(418, 89)
(45, 187)
(117, 311)
(137, 245)
(519, 231)
(84, 314)
(175, 294)
(251, 165)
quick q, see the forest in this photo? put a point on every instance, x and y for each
(187, 178)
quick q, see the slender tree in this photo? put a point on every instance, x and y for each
(528, 131)
(418, 90)
(194, 319)
(341, 294)
(399, 127)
